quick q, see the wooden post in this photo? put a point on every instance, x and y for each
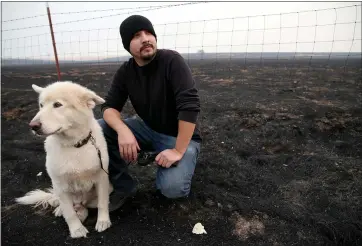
(54, 46)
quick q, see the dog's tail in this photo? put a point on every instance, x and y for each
(39, 198)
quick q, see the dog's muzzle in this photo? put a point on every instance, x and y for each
(35, 126)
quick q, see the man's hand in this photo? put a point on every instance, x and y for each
(168, 157)
(128, 145)
(127, 142)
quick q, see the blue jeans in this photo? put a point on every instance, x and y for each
(173, 182)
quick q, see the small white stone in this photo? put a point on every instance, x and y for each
(39, 174)
(199, 229)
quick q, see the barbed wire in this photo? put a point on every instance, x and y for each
(237, 45)
(88, 11)
(237, 30)
(102, 17)
(261, 15)
(208, 46)
(94, 11)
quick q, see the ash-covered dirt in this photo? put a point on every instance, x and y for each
(280, 162)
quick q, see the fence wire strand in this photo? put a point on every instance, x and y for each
(239, 48)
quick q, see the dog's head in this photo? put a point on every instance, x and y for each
(63, 106)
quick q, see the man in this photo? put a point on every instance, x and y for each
(162, 91)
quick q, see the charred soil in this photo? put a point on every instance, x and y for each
(280, 163)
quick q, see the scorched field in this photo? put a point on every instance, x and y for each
(280, 163)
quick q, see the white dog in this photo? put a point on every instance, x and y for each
(76, 156)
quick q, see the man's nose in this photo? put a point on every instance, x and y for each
(35, 125)
(144, 37)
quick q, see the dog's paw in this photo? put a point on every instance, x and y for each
(103, 225)
(57, 212)
(79, 232)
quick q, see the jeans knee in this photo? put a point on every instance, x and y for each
(174, 189)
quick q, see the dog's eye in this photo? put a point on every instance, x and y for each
(57, 105)
(41, 105)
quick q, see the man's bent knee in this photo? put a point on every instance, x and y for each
(176, 183)
(175, 190)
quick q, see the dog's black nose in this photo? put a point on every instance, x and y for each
(35, 125)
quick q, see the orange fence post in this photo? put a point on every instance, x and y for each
(54, 46)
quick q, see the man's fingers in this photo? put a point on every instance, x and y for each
(158, 157)
(138, 147)
(164, 161)
(160, 160)
(134, 152)
(130, 152)
(121, 151)
(125, 152)
(168, 164)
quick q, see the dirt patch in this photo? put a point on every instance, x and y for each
(321, 102)
(319, 89)
(13, 113)
(295, 191)
(325, 124)
(335, 121)
(222, 82)
(245, 228)
(276, 148)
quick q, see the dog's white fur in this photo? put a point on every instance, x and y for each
(78, 181)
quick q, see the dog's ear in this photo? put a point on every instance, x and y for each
(36, 88)
(93, 99)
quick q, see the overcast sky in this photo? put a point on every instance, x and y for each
(186, 28)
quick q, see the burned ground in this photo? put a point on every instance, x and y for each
(280, 163)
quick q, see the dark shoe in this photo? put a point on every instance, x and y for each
(146, 158)
(117, 200)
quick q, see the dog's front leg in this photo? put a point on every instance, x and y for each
(102, 186)
(76, 227)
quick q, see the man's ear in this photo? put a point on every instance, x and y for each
(93, 99)
(36, 88)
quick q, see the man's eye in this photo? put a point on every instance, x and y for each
(57, 105)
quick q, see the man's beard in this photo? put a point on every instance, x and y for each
(148, 56)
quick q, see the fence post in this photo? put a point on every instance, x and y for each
(54, 46)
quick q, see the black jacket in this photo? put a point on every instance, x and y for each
(161, 92)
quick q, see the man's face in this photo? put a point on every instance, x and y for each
(143, 45)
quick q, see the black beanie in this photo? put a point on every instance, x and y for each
(132, 25)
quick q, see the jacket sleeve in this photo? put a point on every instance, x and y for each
(117, 93)
(184, 88)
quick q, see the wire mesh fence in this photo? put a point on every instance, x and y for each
(308, 43)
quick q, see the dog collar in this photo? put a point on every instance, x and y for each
(83, 141)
